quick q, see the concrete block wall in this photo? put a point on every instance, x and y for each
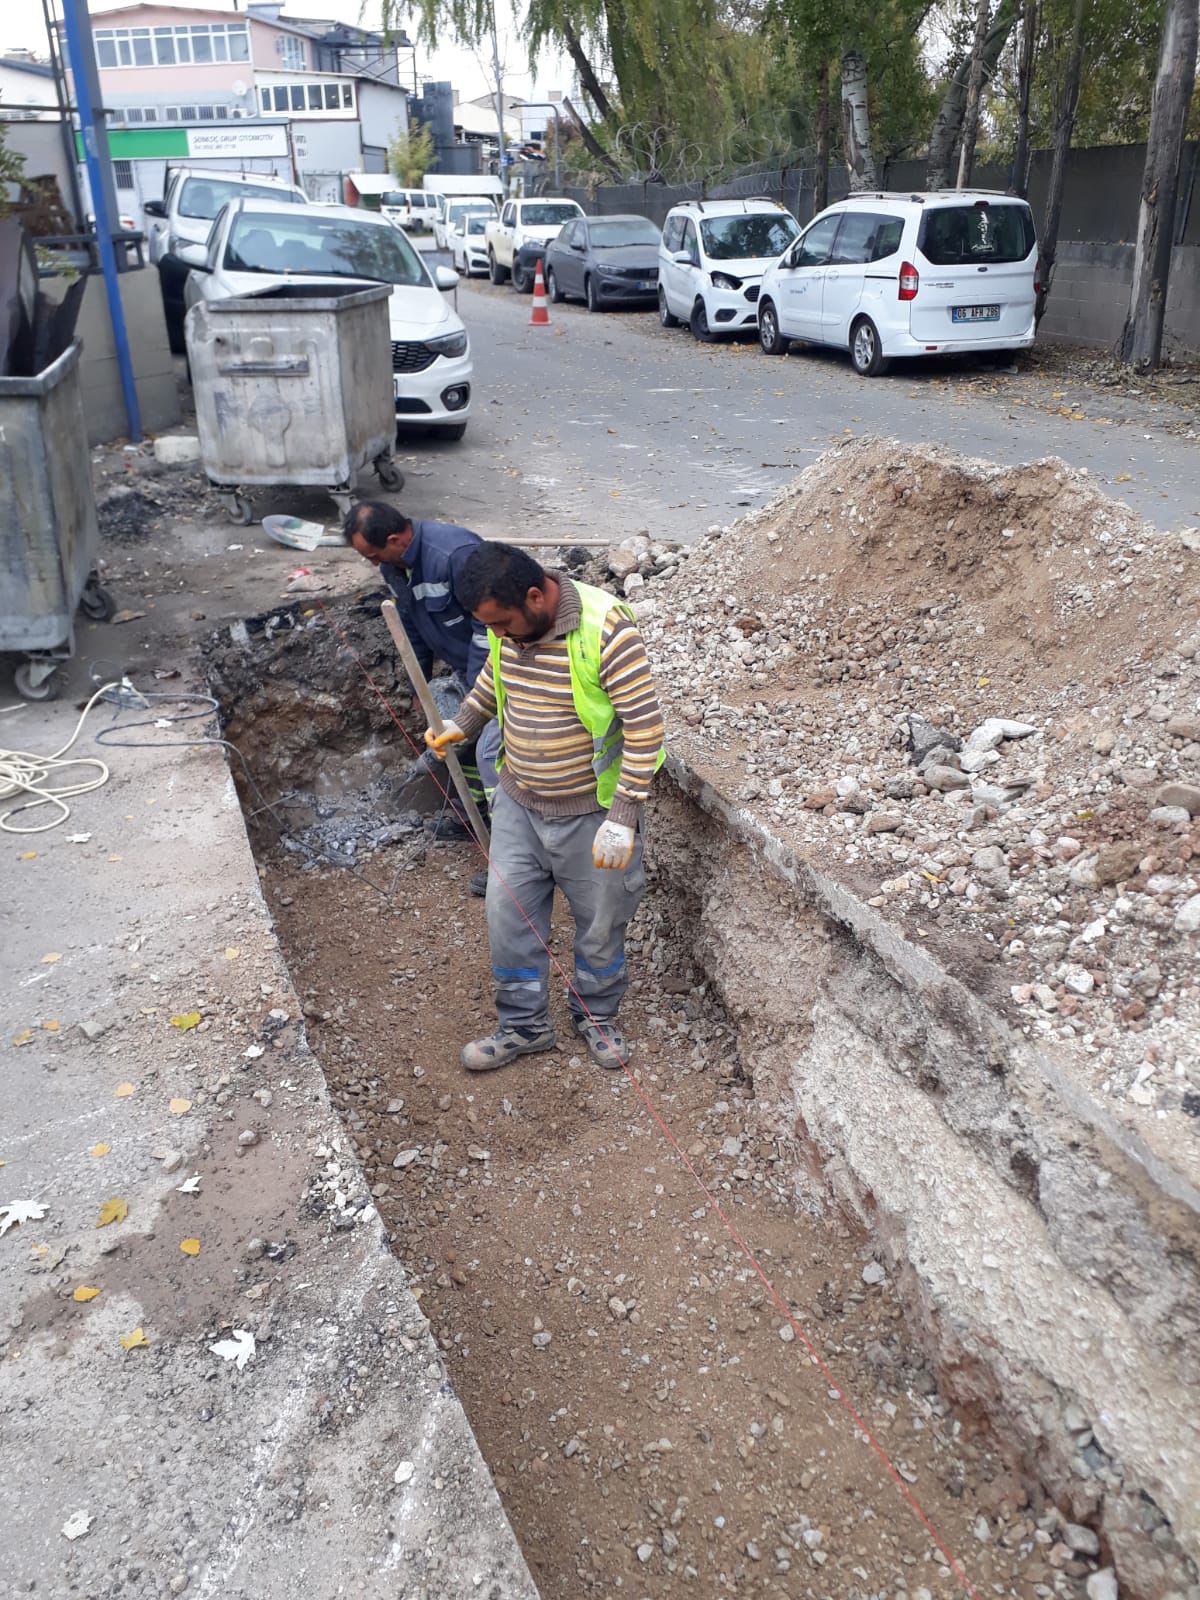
(1089, 297)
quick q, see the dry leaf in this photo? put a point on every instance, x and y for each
(28, 855)
(84, 1293)
(239, 1348)
(39, 1251)
(136, 1340)
(50, 1027)
(177, 1107)
(116, 858)
(99, 1150)
(114, 1210)
(186, 1021)
(25, 1035)
(20, 1211)
(190, 1247)
(77, 1524)
(124, 1090)
(232, 952)
(51, 957)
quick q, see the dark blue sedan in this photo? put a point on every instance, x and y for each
(604, 261)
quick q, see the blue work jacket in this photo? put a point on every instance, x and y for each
(425, 589)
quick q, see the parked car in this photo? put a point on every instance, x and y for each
(907, 275)
(468, 243)
(524, 222)
(410, 209)
(712, 259)
(455, 209)
(255, 246)
(184, 215)
(605, 261)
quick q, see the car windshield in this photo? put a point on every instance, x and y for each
(203, 197)
(980, 232)
(327, 247)
(477, 224)
(476, 206)
(546, 216)
(748, 238)
(622, 230)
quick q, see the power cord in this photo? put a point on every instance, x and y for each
(47, 780)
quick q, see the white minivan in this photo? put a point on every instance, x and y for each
(887, 275)
(711, 262)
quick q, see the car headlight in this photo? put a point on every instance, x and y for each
(449, 344)
(609, 272)
(722, 280)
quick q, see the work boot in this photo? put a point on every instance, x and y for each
(505, 1045)
(450, 828)
(606, 1044)
(478, 883)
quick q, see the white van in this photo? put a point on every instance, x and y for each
(887, 275)
(711, 261)
(410, 209)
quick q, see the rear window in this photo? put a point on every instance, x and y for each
(979, 232)
(747, 238)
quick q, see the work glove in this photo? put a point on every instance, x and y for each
(439, 743)
(613, 845)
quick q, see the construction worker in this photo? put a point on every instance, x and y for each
(422, 565)
(568, 679)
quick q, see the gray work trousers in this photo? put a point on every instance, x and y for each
(533, 854)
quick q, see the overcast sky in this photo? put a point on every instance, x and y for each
(21, 24)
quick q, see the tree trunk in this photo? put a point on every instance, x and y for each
(1141, 343)
(1018, 182)
(948, 123)
(821, 177)
(1062, 146)
(856, 122)
(966, 153)
(591, 142)
(588, 80)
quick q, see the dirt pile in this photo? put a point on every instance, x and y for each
(974, 692)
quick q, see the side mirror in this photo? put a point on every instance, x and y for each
(445, 277)
(582, 248)
(154, 208)
(194, 256)
(681, 258)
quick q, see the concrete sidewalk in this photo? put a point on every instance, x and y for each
(337, 1459)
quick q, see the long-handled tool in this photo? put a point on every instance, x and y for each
(433, 716)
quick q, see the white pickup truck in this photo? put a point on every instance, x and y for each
(520, 234)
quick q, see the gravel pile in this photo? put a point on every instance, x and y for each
(972, 692)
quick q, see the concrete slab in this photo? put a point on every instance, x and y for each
(337, 1459)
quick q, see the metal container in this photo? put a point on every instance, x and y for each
(294, 386)
(49, 536)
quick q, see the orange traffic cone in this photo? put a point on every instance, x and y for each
(539, 317)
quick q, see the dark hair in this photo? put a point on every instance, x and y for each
(374, 521)
(501, 573)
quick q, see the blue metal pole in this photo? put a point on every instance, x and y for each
(81, 54)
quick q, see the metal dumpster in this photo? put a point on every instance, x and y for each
(49, 535)
(294, 386)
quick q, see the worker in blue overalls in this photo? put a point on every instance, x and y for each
(421, 562)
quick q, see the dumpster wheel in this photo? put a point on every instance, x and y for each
(32, 681)
(388, 473)
(239, 508)
(96, 603)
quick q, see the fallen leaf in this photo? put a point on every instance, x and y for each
(23, 1037)
(190, 1185)
(185, 1021)
(20, 1211)
(232, 952)
(50, 1027)
(136, 1340)
(51, 957)
(982, 683)
(190, 1247)
(99, 1150)
(28, 855)
(38, 1251)
(1123, 477)
(126, 616)
(116, 858)
(177, 1107)
(114, 1210)
(124, 1090)
(84, 1293)
(77, 1524)
(239, 1348)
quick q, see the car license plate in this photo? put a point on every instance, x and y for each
(644, 284)
(975, 314)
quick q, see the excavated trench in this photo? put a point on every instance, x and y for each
(997, 1286)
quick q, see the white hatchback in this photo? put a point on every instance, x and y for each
(254, 246)
(712, 259)
(888, 275)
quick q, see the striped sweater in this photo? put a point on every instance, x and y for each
(547, 750)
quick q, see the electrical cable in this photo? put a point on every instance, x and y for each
(45, 778)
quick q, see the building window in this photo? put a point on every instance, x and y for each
(264, 100)
(168, 47)
(187, 114)
(331, 97)
(123, 174)
(291, 52)
(348, 96)
(208, 113)
(314, 97)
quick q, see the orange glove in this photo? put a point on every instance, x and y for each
(439, 743)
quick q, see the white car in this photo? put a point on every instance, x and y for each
(255, 246)
(456, 209)
(410, 209)
(907, 275)
(712, 259)
(468, 243)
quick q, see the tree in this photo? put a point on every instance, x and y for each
(12, 167)
(856, 121)
(948, 124)
(1062, 146)
(1141, 343)
(970, 128)
(410, 154)
(1018, 182)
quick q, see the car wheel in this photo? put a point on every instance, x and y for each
(769, 336)
(592, 293)
(522, 281)
(452, 432)
(868, 359)
(552, 288)
(701, 331)
(665, 315)
(496, 272)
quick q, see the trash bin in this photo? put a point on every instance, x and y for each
(49, 536)
(294, 386)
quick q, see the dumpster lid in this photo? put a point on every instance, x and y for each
(315, 297)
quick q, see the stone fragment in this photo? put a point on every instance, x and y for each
(1102, 1585)
(1184, 728)
(1187, 918)
(883, 822)
(1116, 862)
(1105, 742)
(943, 778)
(924, 737)
(873, 1273)
(622, 563)
(1186, 795)
(995, 730)
(176, 449)
(1080, 1539)
(1170, 816)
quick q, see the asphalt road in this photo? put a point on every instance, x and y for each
(608, 424)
